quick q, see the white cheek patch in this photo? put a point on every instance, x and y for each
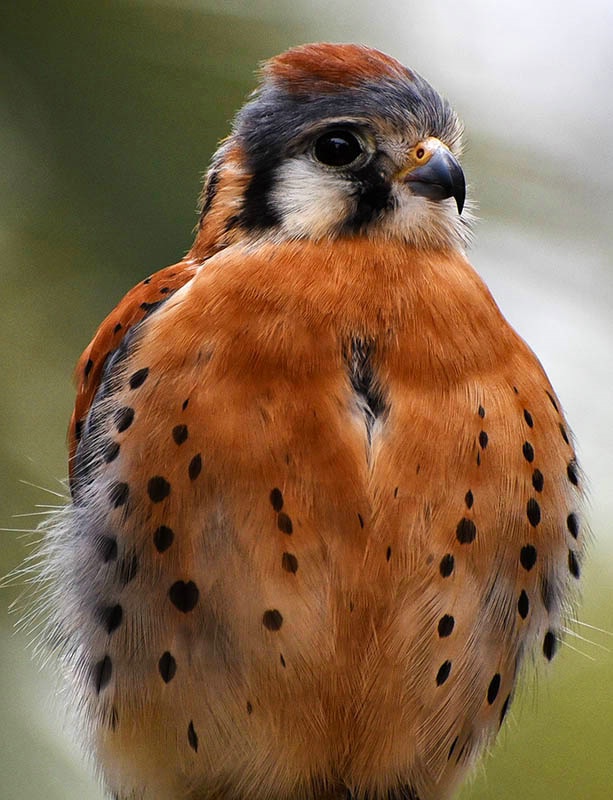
(311, 202)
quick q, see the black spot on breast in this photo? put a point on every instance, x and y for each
(249, 708)
(158, 489)
(493, 688)
(466, 531)
(361, 520)
(282, 660)
(533, 512)
(527, 557)
(195, 467)
(523, 604)
(272, 620)
(101, 673)
(163, 538)
(110, 452)
(138, 378)
(107, 547)
(573, 565)
(446, 565)
(468, 499)
(453, 747)
(445, 625)
(359, 361)
(123, 418)
(573, 473)
(192, 737)
(538, 481)
(179, 434)
(184, 595)
(550, 645)
(572, 523)
(443, 673)
(528, 418)
(184, 404)
(528, 452)
(552, 400)
(388, 553)
(167, 667)
(481, 412)
(284, 523)
(111, 617)
(289, 562)
(119, 494)
(483, 440)
(276, 499)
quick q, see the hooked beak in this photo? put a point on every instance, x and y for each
(440, 177)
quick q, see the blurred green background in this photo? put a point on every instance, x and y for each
(110, 112)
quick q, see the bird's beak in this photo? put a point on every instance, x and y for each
(434, 172)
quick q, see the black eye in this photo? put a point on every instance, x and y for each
(337, 148)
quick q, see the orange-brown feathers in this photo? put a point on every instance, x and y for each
(325, 67)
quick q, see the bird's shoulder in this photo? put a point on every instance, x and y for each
(111, 333)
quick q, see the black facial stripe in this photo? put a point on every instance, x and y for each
(277, 124)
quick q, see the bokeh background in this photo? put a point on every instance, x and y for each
(109, 114)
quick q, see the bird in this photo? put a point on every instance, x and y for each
(325, 507)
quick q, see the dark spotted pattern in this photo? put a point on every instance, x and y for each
(284, 523)
(443, 673)
(289, 562)
(528, 418)
(533, 511)
(445, 625)
(446, 565)
(483, 440)
(481, 412)
(108, 548)
(163, 538)
(110, 452)
(192, 737)
(195, 467)
(466, 531)
(550, 645)
(276, 499)
(123, 418)
(138, 378)
(523, 604)
(538, 481)
(573, 564)
(119, 494)
(527, 557)
(388, 553)
(249, 708)
(528, 452)
(101, 673)
(564, 434)
(572, 523)
(573, 473)
(469, 499)
(158, 489)
(179, 434)
(167, 667)
(272, 620)
(111, 617)
(184, 595)
(493, 689)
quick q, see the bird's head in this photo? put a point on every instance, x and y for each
(342, 140)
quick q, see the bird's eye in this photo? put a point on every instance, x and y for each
(337, 148)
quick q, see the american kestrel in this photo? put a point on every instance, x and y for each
(325, 504)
